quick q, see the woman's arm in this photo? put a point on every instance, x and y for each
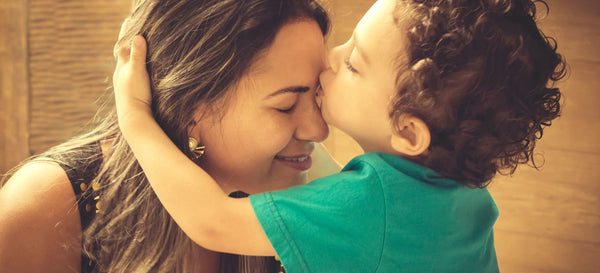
(40, 229)
(206, 214)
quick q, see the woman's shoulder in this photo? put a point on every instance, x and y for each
(39, 184)
(40, 228)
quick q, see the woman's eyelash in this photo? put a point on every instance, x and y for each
(287, 110)
(349, 66)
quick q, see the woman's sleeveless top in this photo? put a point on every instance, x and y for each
(81, 171)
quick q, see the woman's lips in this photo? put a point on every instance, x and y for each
(300, 163)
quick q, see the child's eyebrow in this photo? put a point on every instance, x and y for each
(290, 89)
(361, 52)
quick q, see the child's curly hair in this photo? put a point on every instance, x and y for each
(481, 75)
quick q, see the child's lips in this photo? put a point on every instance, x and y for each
(320, 95)
(320, 91)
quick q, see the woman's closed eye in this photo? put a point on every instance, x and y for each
(286, 109)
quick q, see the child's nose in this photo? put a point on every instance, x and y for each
(334, 58)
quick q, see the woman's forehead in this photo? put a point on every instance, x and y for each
(295, 58)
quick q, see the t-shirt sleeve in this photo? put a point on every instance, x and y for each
(321, 226)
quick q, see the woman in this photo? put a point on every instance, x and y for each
(237, 76)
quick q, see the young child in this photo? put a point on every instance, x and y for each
(441, 95)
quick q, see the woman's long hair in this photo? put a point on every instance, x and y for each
(197, 50)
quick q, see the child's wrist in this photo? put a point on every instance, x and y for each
(132, 114)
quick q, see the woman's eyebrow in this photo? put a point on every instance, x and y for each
(291, 89)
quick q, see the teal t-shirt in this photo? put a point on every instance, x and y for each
(382, 213)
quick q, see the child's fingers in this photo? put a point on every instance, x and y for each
(130, 79)
(122, 56)
(121, 34)
(138, 53)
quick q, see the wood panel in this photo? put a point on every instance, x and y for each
(549, 219)
(71, 61)
(14, 93)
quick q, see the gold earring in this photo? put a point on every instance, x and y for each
(198, 151)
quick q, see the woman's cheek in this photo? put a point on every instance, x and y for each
(273, 133)
(280, 138)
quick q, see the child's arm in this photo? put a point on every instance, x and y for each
(202, 210)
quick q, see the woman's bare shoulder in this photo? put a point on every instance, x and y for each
(40, 229)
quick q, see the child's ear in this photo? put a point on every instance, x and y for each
(412, 138)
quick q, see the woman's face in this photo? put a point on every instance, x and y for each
(263, 139)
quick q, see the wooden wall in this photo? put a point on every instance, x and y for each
(14, 93)
(70, 61)
(56, 60)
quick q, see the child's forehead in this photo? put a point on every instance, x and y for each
(382, 35)
(386, 15)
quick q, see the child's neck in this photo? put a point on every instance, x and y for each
(379, 148)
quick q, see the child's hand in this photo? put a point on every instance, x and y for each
(131, 82)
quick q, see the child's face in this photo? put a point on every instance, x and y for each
(358, 87)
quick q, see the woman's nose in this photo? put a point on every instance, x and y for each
(311, 126)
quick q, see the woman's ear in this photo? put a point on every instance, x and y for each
(412, 137)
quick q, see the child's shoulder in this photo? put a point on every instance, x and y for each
(370, 174)
(400, 176)
(404, 183)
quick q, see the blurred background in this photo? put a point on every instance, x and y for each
(56, 62)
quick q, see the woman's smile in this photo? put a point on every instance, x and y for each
(299, 162)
